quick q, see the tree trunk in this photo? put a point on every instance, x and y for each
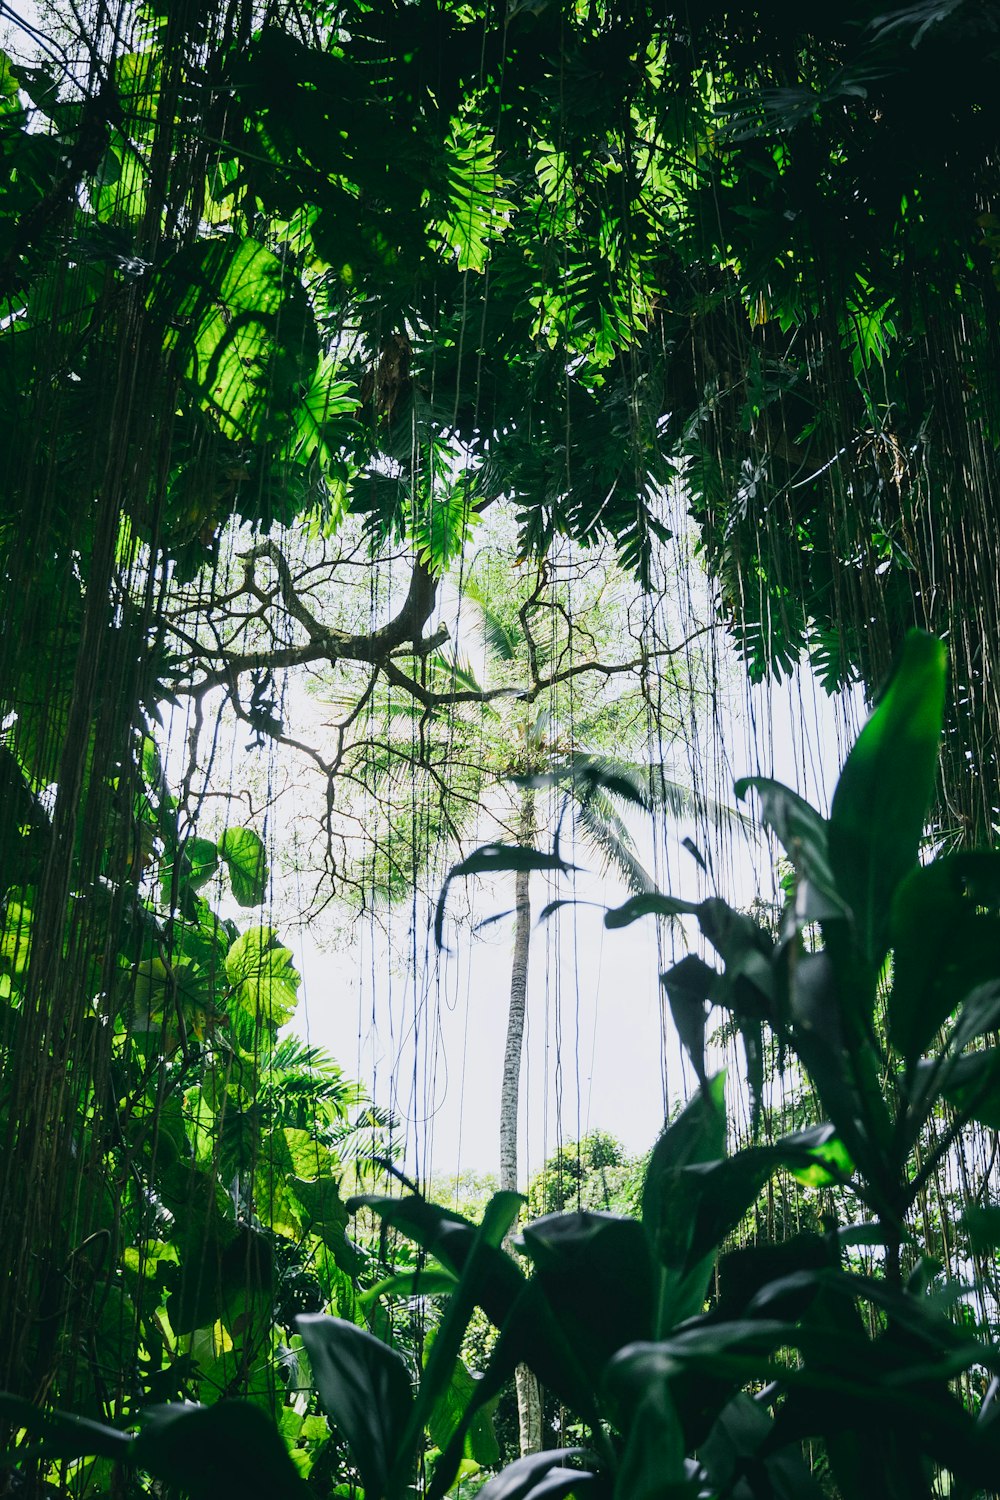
(529, 1403)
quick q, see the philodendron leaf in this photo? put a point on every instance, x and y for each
(264, 981)
(202, 861)
(364, 1388)
(885, 790)
(246, 858)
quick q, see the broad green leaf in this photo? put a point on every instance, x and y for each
(137, 79)
(202, 860)
(320, 418)
(430, 1281)
(540, 1476)
(364, 1388)
(241, 330)
(11, 111)
(741, 1433)
(173, 998)
(264, 981)
(973, 1086)
(652, 1465)
(246, 860)
(803, 834)
(215, 1272)
(15, 937)
(480, 1439)
(650, 903)
(885, 790)
(944, 945)
(596, 1273)
(118, 189)
(229, 1451)
(982, 1225)
(669, 1198)
(60, 1434)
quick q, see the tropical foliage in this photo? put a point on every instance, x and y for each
(289, 296)
(690, 1374)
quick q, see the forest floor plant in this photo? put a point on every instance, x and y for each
(755, 1373)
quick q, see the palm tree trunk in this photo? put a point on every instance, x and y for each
(529, 1403)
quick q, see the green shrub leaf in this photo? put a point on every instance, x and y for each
(885, 790)
(364, 1388)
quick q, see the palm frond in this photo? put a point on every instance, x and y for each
(604, 831)
(502, 639)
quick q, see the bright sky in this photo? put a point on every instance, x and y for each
(595, 1055)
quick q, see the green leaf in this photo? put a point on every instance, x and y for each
(669, 1196)
(60, 1434)
(228, 1451)
(202, 861)
(596, 1273)
(264, 981)
(365, 1389)
(885, 790)
(426, 1281)
(480, 1439)
(649, 903)
(652, 1466)
(246, 858)
(539, 1476)
(803, 834)
(944, 945)
(214, 1274)
(241, 329)
(496, 859)
(973, 1086)
(982, 1225)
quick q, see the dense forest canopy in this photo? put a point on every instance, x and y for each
(291, 296)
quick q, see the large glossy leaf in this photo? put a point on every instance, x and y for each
(216, 1272)
(365, 1389)
(451, 1239)
(803, 834)
(885, 789)
(246, 860)
(241, 330)
(199, 863)
(263, 979)
(229, 1451)
(539, 1476)
(973, 1086)
(669, 1198)
(945, 943)
(742, 1432)
(477, 1278)
(60, 1434)
(480, 1438)
(597, 1276)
